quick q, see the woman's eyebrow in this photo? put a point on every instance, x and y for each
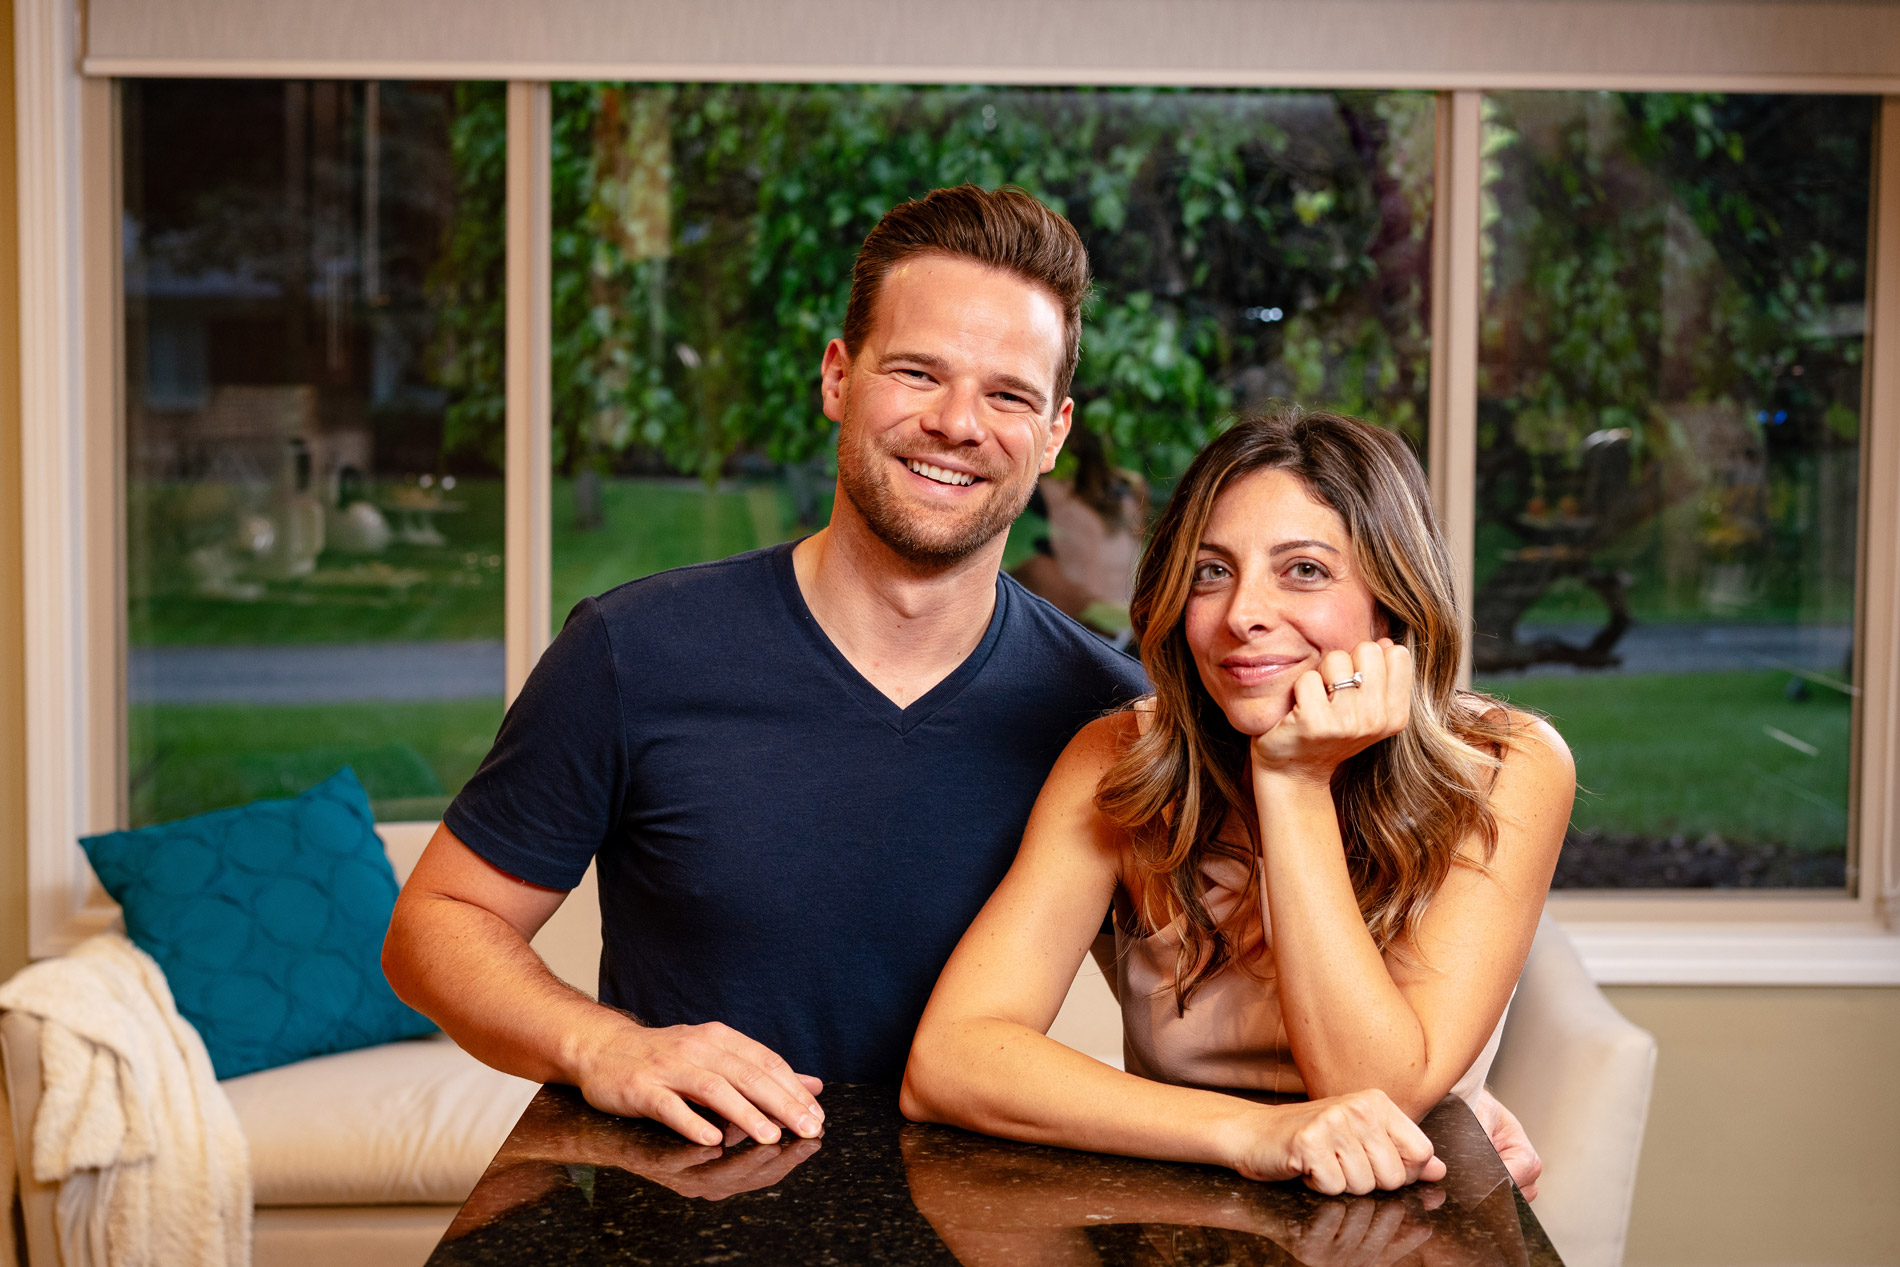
(1304, 544)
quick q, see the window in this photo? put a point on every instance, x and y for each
(1668, 423)
(313, 483)
(1668, 473)
(1395, 333)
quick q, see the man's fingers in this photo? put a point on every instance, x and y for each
(817, 1088)
(717, 1088)
(669, 1109)
(768, 1081)
(798, 1111)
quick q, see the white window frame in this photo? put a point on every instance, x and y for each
(71, 362)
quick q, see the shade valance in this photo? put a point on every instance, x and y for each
(1790, 46)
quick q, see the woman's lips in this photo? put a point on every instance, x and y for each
(1255, 670)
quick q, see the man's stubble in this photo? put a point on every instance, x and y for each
(924, 540)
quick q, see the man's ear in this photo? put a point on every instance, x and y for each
(1058, 432)
(833, 372)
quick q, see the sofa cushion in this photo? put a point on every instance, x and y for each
(404, 1123)
(268, 921)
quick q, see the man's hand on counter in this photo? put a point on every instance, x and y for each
(661, 1073)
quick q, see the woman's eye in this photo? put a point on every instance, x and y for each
(1307, 570)
(1208, 572)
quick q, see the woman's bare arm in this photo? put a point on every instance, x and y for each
(1356, 1019)
(982, 1058)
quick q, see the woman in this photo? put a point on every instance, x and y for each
(1325, 862)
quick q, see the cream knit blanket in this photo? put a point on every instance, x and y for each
(132, 1124)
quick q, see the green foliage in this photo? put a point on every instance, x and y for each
(1757, 203)
(704, 237)
(465, 286)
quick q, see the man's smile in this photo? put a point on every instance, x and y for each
(941, 474)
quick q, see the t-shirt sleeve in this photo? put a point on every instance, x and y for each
(550, 790)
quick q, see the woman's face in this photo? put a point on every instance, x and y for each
(1275, 588)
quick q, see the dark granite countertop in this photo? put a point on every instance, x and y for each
(573, 1185)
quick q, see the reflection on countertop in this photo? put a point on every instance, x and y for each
(574, 1184)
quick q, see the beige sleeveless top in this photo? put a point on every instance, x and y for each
(1232, 1035)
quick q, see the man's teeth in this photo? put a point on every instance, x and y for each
(940, 475)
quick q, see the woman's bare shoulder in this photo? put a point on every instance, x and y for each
(1104, 741)
(1535, 746)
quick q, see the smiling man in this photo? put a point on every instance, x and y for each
(802, 770)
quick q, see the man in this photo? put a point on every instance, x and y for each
(802, 769)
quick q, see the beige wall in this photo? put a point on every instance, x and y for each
(1774, 1135)
(12, 667)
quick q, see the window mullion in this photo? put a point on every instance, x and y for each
(1452, 445)
(528, 556)
(1877, 765)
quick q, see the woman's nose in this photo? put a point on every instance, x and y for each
(1254, 609)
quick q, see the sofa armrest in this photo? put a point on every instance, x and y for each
(20, 1082)
(1578, 1075)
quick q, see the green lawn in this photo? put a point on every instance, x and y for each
(650, 525)
(407, 593)
(411, 756)
(1693, 753)
(454, 592)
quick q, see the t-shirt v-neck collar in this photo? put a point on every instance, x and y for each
(874, 701)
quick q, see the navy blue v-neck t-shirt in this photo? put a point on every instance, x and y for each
(781, 847)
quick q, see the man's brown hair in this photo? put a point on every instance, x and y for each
(1007, 229)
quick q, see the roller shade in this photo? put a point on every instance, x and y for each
(1716, 44)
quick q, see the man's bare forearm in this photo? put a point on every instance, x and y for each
(470, 972)
(458, 951)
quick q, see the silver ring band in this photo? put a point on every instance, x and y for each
(1357, 679)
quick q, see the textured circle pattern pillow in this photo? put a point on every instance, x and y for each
(268, 920)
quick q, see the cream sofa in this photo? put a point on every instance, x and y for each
(359, 1158)
(363, 1157)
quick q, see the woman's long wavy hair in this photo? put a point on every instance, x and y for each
(1406, 804)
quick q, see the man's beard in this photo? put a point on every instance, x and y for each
(915, 536)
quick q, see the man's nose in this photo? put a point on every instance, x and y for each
(958, 417)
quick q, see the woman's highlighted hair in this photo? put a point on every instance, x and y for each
(1406, 804)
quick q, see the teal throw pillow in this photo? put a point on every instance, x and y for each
(268, 921)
